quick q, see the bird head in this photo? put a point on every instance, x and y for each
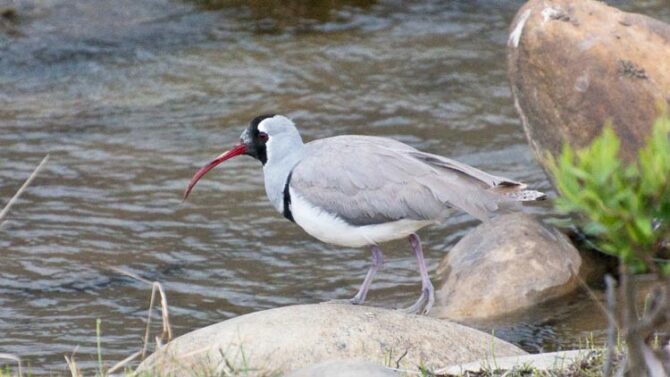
(266, 136)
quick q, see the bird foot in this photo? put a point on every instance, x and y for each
(350, 301)
(425, 302)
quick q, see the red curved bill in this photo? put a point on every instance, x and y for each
(236, 151)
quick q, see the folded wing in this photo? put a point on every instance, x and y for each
(372, 180)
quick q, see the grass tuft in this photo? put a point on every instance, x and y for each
(165, 313)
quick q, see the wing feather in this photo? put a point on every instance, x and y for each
(371, 180)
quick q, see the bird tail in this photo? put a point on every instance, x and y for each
(516, 192)
(525, 196)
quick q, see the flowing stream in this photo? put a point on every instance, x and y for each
(130, 97)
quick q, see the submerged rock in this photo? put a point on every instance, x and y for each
(284, 339)
(507, 264)
(8, 18)
(573, 65)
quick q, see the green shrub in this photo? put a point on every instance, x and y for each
(625, 206)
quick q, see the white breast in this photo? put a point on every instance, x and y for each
(329, 228)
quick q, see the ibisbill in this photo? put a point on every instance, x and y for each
(358, 191)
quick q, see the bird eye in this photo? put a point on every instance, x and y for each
(263, 136)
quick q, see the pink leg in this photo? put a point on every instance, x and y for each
(427, 298)
(377, 262)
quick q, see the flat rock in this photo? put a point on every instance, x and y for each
(573, 65)
(288, 338)
(344, 368)
(505, 265)
(540, 362)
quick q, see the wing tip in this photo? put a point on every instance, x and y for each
(508, 187)
(526, 196)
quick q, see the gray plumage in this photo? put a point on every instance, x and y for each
(372, 180)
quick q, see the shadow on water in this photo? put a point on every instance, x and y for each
(130, 97)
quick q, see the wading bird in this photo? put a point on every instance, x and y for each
(357, 191)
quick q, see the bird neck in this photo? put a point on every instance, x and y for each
(276, 171)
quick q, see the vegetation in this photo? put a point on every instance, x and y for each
(626, 207)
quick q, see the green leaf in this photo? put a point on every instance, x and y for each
(615, 201)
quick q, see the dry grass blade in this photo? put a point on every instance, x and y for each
(14, 198)
(123, 362)
(159, 343)
(72, 364)
(167, 330)
(9, 356)
(610, 316)
(74, 371)
(611, 326)
(155, 286)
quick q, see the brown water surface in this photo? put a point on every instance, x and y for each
(130, 97)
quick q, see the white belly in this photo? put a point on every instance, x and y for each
(331, 229)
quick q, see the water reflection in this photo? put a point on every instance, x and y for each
(276, 16)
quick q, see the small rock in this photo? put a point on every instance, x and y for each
(288, 338)
(574, 65)
(507, 264)
(344, 368)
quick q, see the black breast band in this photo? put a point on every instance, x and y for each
(287, 199)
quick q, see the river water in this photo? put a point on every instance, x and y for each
(130, 97)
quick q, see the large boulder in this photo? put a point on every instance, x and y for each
(284, 339)
(505, 265)
(573, 65)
